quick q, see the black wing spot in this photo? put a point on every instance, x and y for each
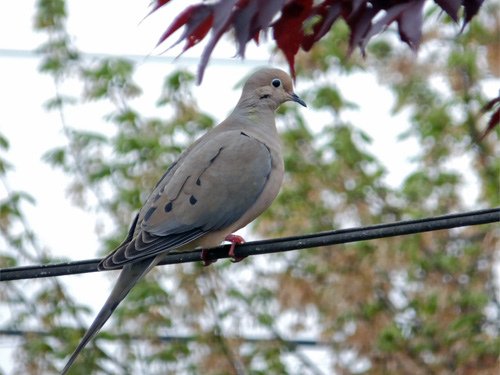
(193, 200)
(198, 181)
(216, 155)
(168, 207)
(244, 134)
(149, 213)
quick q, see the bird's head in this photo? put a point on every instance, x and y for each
(270, 87)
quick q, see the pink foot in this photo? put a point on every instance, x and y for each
(235, 240)
(204, 257)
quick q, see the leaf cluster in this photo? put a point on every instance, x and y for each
(300, 24)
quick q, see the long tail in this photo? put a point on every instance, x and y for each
(129, 276)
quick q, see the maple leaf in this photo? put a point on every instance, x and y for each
(328, 12)
(197, 20)
(289, 21)
(292, 18)
(157, 5)
(494, 120)
(451, 7)
(252, 16)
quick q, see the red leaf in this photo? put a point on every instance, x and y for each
(494, 121)
(471, 8)
(495, 117)
(450, 7)
(256, 38)
(222, 16)
(266, 13)
(329, 12)
(251, 17)
(198, 33)
(488, 106)
(288, 31)
(360, 24)
(243, 15)
(408, 16)
(392, 14)
(192, 17)
(158, 5)
(410, 24)
(356, 6)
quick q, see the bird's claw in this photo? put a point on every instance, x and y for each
(204, 258)
(235, 240)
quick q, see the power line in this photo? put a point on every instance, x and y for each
(139, 58)
(335, 237)
(177, 338)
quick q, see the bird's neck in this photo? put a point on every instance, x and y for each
(257, 122)
(256, 112)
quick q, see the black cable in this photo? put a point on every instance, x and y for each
(177, 338)
(277, 245)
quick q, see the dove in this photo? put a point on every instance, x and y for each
(218, 185)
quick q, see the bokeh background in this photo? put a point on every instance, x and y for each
(91, 116)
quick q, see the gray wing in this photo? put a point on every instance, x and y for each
(209, 188)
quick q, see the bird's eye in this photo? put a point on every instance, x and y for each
(276, 82)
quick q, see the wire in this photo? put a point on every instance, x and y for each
(277, 245)
(176, 338)
(139, 58)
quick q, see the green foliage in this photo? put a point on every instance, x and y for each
(51, 15)
(108, 79)
(390, 339)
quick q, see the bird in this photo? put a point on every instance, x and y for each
(219, 184)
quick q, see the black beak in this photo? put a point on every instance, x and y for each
(294, 97)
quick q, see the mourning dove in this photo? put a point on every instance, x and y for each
(222, 182)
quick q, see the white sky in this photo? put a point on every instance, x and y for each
(114, 27)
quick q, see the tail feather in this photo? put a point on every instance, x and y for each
(129, 276)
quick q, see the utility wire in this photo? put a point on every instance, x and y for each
(335, 237)
(139, 58)
(178, 338)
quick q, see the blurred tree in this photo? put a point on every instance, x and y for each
(419, 304)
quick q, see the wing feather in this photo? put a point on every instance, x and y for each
(208, 189)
